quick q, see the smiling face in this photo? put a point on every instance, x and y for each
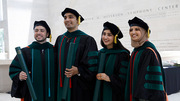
(40, 34)
(70, 21)
(136, 33)
(108, 38)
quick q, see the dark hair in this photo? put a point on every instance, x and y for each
(44, 24)
(73, 11)
(115, 46)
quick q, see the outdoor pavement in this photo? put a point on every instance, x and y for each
(7, 97)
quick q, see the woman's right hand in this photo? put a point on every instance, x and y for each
(103, 76)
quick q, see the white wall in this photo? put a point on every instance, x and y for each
(21, 17)
(5, 81)
(161, 15)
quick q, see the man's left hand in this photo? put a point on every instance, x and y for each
(71, 72)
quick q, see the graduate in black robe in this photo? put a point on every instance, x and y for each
(113, 77)
(39, 58)
(83, 71)
(145, 80)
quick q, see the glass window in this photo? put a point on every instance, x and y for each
(1, 10)
(1, 40)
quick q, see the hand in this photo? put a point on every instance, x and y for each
(22, 76)
(103, 76)
(71, 72)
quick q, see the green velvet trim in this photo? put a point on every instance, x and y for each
(92, 61)
(93, 53)
(145, 45)
(50, 69)
(12, 75)
(37, 75)
(62, 58)
(123, 70)
(76, 46)
(154, 69)
(124, 63)
(36, 45)
(72, 35)
(110, 51)
(59, 89)
(122, 76)
(154, 86)
(135, 73)
(76, 33)
(93, 68)
(153, 77)
(15, 63)
(37, 72)
(109, 68)
(13, 69)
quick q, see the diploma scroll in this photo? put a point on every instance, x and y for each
(24, 68)
(69, 64)
(98, 82)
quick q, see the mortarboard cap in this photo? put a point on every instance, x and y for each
(69, 10)
(138, 22)
(44, 24)
(113, 28)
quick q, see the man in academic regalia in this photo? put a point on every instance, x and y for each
(82, 73)
(39, 58)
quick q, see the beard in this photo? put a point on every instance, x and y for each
(42, 40)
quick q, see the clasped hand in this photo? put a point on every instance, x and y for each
(71, 72)
(103, 76)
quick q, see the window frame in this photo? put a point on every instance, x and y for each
(4, 26)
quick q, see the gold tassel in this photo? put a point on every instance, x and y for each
(115, 38)
(148, 33)
(50, 38)
(79, 20)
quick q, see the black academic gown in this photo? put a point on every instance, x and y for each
(85, 59)
(145, 79)
(39, 59)
(115, 66)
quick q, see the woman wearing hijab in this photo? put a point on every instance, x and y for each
(145, 80)
(113, 75)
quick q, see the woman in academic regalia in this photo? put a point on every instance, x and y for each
(145, 80)
(113, 77)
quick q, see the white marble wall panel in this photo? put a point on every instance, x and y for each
(161, 15)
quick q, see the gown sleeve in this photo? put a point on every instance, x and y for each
(118, 78)
(150, 82)
(18, 88)
(88, 62)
